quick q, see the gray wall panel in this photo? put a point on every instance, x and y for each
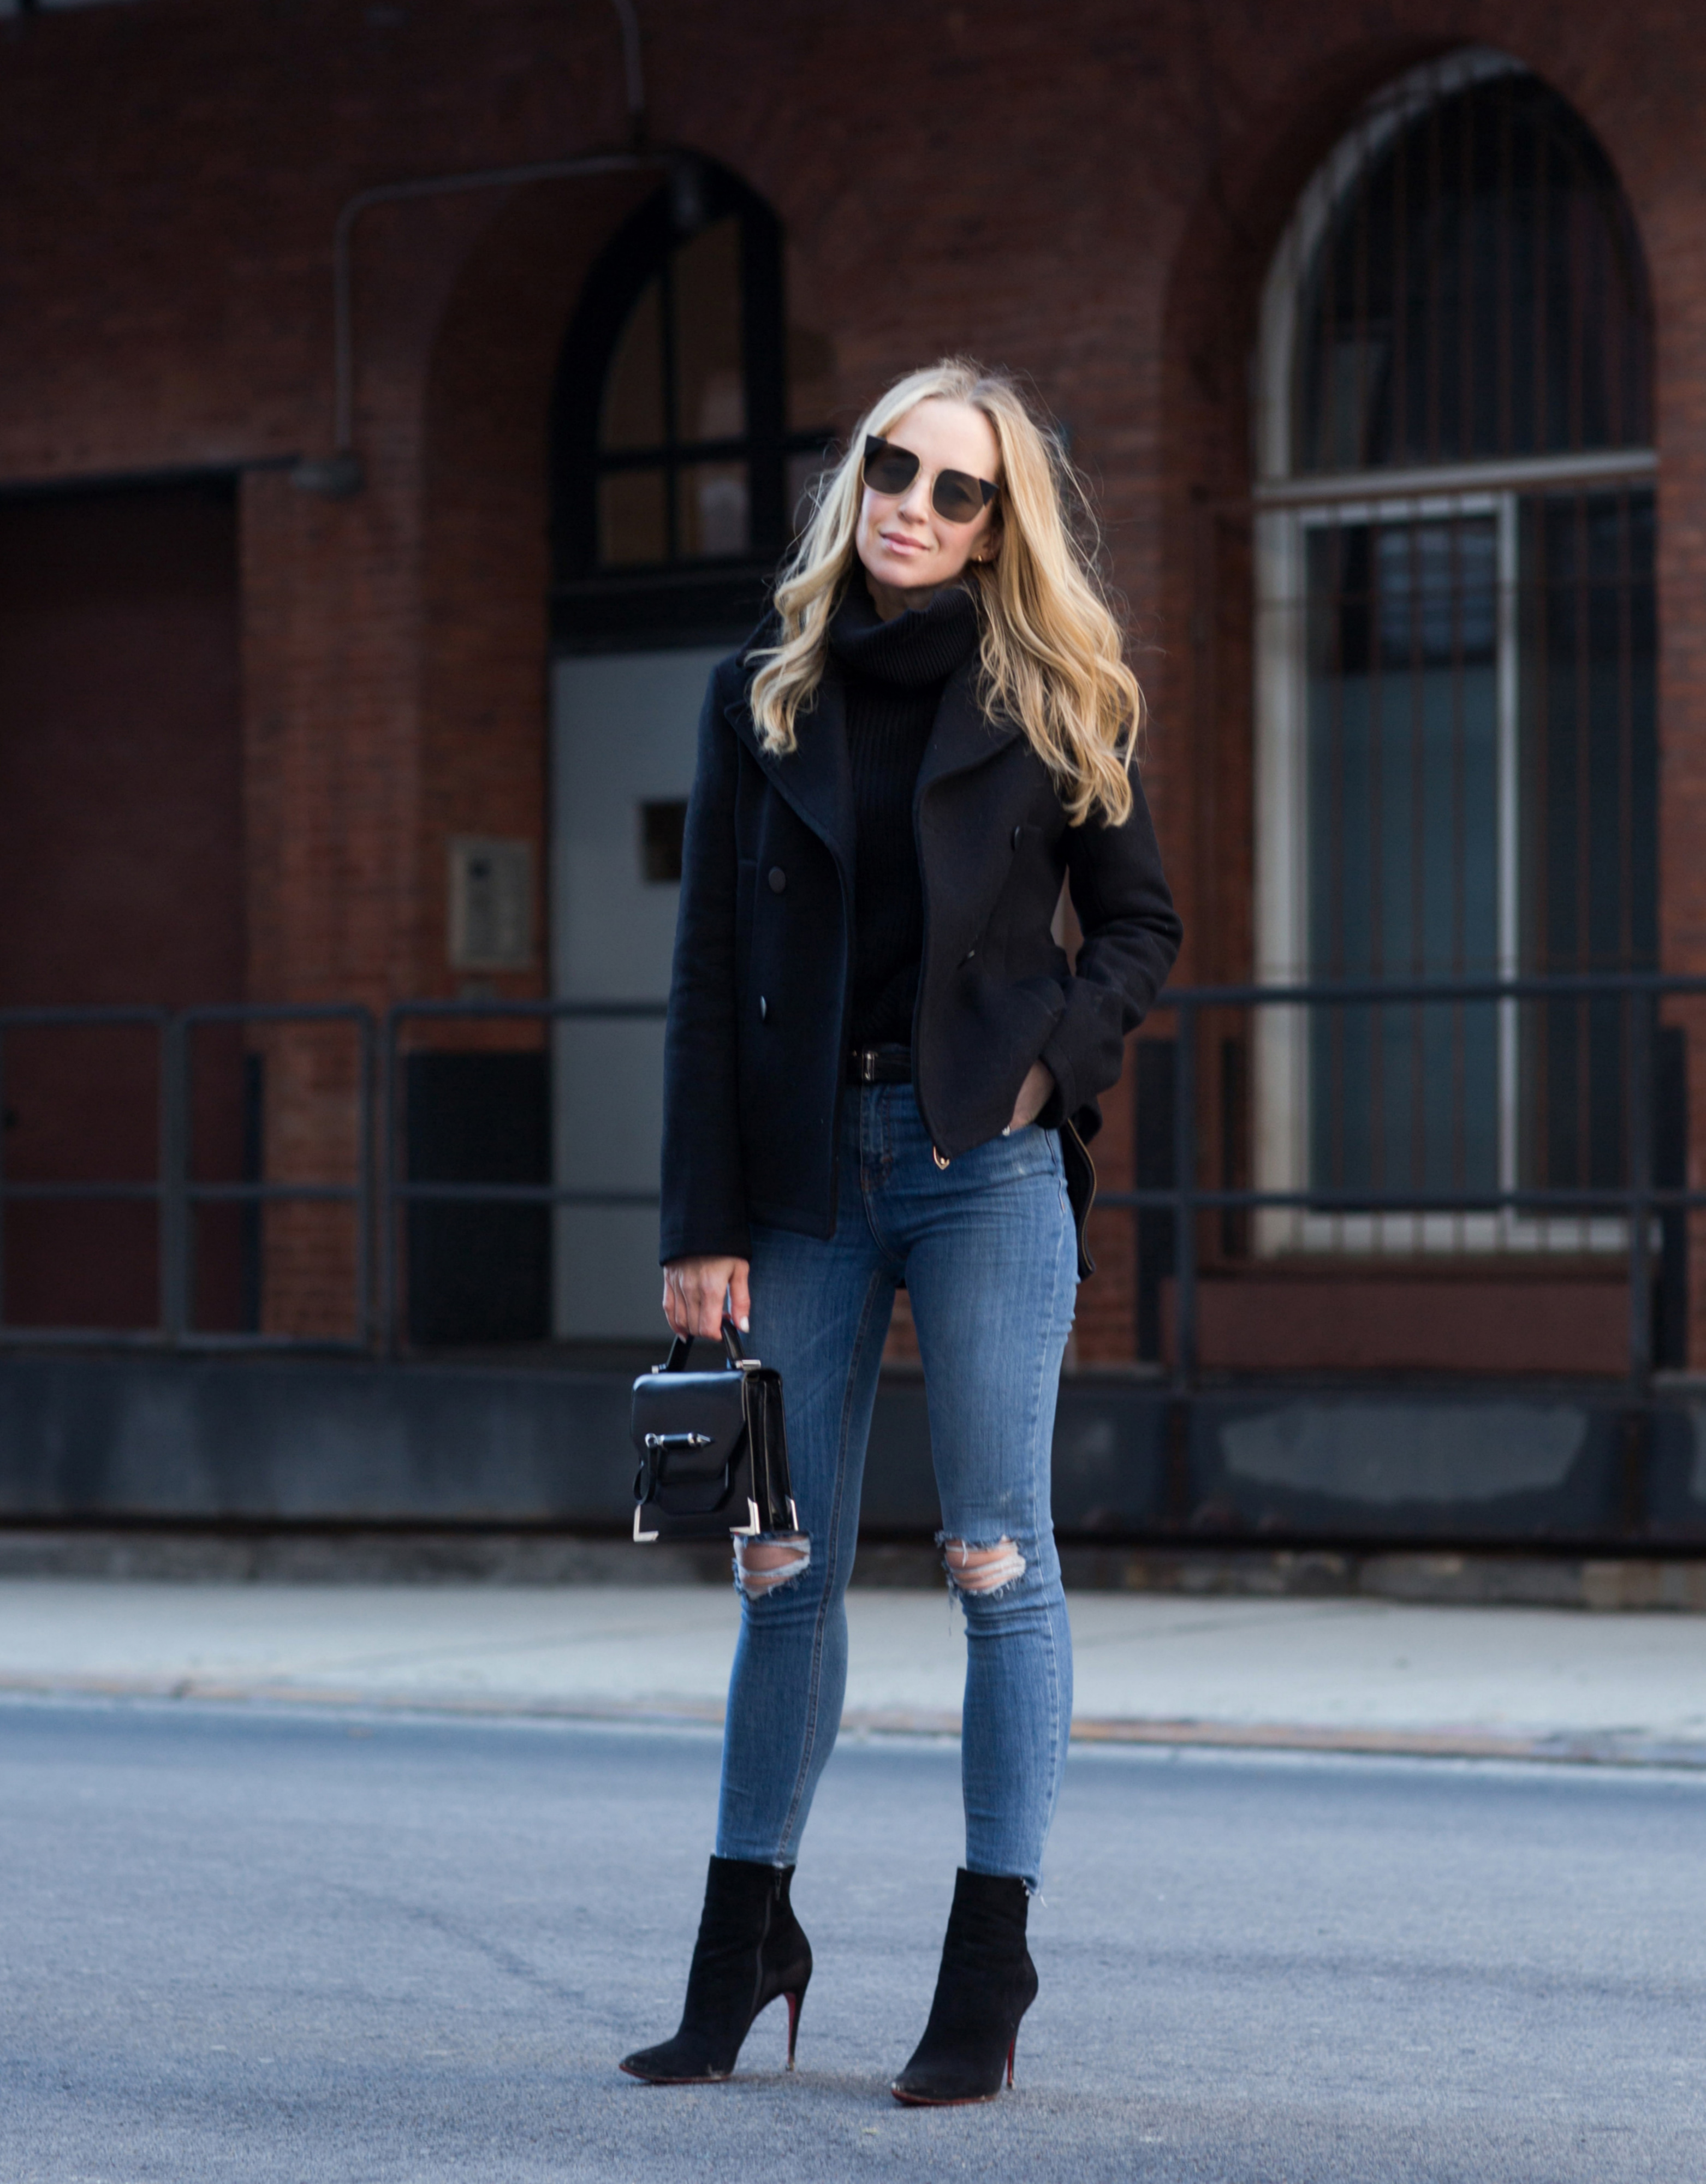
(1411, 1464)
(306, 1441)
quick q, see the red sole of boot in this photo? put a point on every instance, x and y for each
(646, 2078)
(961, 2100)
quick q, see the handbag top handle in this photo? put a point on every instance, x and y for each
(683, 1344)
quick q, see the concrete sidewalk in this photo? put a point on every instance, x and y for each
(1311, 1675)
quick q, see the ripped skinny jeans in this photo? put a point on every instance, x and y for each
(986, 1251)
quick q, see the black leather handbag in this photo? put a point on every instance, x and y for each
(712, 1449)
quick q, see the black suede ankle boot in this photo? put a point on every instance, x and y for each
(986, 1984)
(750, 1949)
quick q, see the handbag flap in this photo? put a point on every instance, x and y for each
(688, 1426)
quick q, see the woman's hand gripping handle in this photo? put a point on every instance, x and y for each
(696, 1293)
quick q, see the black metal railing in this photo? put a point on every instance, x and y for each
(1635, 1196)
(153, 1190)
(403, 1190)
(174, 1191)
(1649, 1199)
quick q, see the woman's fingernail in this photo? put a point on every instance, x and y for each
(746, 1326)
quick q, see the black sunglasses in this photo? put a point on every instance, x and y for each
(956, 496)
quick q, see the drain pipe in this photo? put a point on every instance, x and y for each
(337, 476)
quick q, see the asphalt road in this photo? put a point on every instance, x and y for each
(237, 1943)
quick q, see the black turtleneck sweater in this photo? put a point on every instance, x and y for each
(894, 672)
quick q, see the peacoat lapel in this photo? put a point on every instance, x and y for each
(961, 877)
(964, 735)
(816, 777)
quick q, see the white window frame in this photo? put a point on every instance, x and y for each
(1285, 509)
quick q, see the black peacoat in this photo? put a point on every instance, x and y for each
(755, 1047)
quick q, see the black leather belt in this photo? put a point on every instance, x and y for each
(880, 1065)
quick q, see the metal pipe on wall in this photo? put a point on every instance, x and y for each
(337, 476)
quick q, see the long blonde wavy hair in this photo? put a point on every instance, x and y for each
(1052, 657)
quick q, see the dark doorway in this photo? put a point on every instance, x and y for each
(478, 1274)
(121, 877)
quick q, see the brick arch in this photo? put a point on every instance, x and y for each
(1213, 309)
(1212, 319)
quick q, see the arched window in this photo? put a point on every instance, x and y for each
(1456, 644)
(687, 419)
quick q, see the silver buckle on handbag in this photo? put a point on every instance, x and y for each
(677, 1440)
(641, 1538)
(749, 1529)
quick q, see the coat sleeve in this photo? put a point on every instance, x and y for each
(704, 1185)
(1131, 935)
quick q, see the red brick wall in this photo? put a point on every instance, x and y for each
(485, 556)
(1087, 191)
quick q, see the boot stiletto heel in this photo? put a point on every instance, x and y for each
(750, 1949)
(986, 1984)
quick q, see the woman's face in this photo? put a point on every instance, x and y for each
(908, 550)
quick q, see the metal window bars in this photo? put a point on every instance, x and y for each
(1636, 1198)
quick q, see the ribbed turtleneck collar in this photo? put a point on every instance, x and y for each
(916, 649)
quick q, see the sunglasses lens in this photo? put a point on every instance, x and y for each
(956, 497)
(890, 470)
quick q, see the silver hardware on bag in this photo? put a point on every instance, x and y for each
(677, 1440)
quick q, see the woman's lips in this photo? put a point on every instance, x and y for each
(897, 544)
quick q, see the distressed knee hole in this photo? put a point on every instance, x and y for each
(762, 1565)
(982, 1569)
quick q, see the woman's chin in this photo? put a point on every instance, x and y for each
(907, 577)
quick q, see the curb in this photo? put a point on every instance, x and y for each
(1554, 1748)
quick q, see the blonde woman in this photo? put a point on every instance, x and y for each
(880, 1070)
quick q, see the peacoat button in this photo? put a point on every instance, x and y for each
(779, 879)
(763, 1008)
(1017, 831)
